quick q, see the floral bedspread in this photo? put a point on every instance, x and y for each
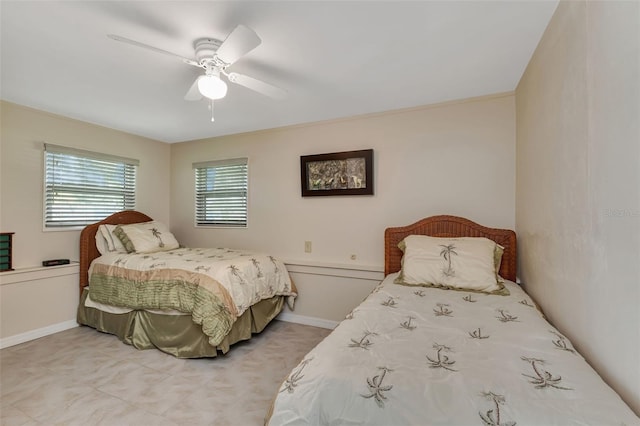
(418, 356)
(214, 285)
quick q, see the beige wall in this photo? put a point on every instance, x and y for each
(578, 184)
(456, 158)
(21, 176)
(21, 202)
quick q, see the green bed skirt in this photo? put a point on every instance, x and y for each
(177, 335)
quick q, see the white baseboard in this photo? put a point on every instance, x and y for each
(36, 334)
(301, 319)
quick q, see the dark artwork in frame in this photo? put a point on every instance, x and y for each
(338, 173)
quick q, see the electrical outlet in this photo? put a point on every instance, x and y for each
(307, 246)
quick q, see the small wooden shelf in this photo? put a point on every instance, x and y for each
(6, 251)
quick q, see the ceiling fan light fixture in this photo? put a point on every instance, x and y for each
(212, 87)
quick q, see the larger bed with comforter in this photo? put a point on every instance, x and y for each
(189, 302)
(417, 352)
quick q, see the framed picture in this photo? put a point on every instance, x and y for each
(338, 173)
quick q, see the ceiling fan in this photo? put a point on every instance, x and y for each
(215, 56)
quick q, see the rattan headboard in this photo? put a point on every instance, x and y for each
(88, 249)
(452, 227)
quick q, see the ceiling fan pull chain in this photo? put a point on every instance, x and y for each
(211, 108)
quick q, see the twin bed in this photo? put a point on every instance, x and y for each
(413, 352)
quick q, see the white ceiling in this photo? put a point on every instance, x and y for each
(334, 58)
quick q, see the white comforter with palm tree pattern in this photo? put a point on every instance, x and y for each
(424, 356)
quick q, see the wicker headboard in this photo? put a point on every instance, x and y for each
(451, 227)
(88, 249)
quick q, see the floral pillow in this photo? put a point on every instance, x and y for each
(469, 264)
(146, 237)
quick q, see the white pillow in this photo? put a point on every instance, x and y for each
(113, 242)
(101, 243)
(467, 264)
(146, 237)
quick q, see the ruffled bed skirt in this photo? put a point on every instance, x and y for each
(177, 335)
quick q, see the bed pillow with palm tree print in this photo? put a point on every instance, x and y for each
(146, 237)
(467, 264)
(497, 256)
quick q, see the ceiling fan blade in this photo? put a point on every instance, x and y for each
(241, 41)
(193, 94)
(155, 49)
(257, 85)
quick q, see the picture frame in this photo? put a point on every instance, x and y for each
(337, 173)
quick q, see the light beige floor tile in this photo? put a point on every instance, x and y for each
(159, 361)
(11, 416)
(213, 406)
(97, 408)
(83, 377)
(128, 385)
(25, 387)
(134, 416)
(12, 376)
(154, 398)
(48, 398)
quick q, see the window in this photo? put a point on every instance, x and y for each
(221, 193)
(83, 187)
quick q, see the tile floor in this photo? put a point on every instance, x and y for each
(83, 377)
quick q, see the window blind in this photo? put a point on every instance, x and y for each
(221, 193)
(83, 187)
